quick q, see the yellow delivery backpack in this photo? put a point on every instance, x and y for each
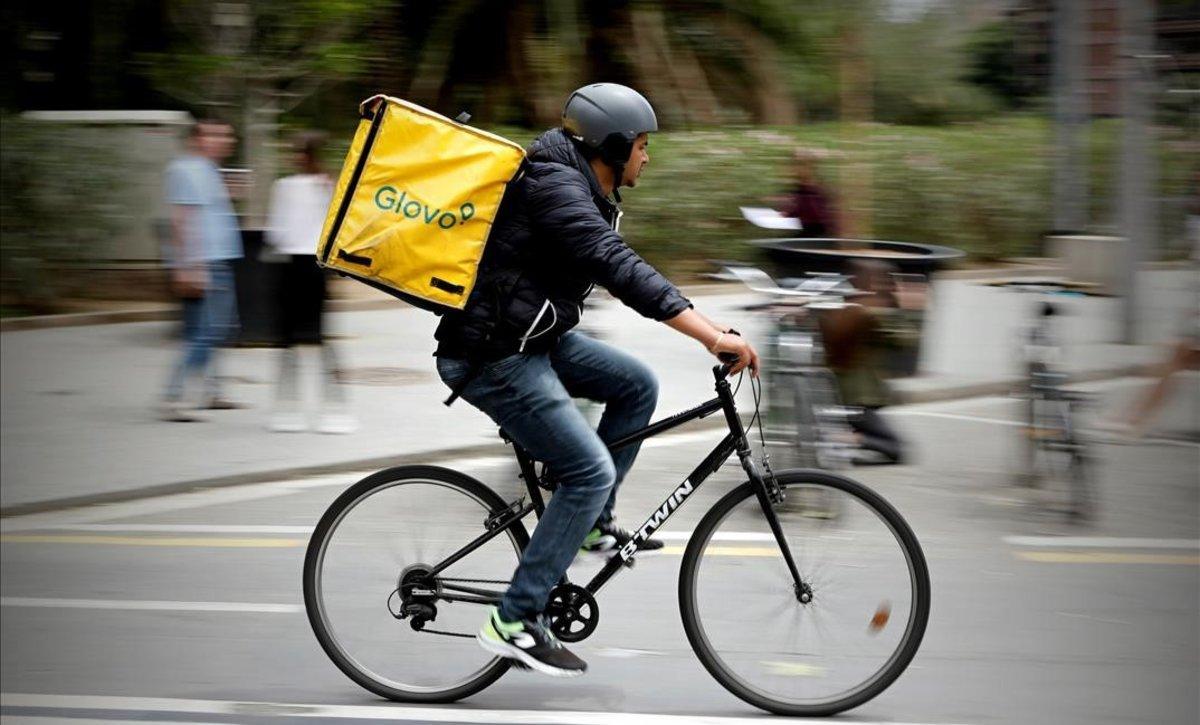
(415, 202)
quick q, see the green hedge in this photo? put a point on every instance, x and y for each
(980, 187)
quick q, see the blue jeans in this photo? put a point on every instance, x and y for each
(529, 396)
(208, 322)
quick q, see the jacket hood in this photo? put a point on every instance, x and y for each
(556, 147)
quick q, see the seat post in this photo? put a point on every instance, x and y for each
(528, 474)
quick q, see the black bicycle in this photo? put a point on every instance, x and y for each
(795, 614)
(1055, 457)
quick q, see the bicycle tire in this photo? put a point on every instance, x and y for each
(320, 538)
(912, 636)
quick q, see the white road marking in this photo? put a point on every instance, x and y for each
(476, 462)
(400, 713)
(624, 652)
(726, 536)
(1101, 542)
(956, 416)
(59, 720)
(1090, 618)
(745, 536)
(305, 530)
(187, 528)
(151, 605)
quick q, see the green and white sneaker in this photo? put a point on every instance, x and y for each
(529, 643)
(608, 537)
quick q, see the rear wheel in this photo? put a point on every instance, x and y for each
(371, 600)
(835, 642)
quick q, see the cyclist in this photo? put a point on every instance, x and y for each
(859, 339)
(512, 352)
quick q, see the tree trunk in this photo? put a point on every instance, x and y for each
(773, 98)
(519, 24)
(429, 82)
(260, 114)
(671, 76)
(855, 203)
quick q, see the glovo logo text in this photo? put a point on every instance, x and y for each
(389, 198)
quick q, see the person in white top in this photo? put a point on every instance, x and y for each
(296, 215)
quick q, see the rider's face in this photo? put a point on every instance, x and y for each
(639, 156)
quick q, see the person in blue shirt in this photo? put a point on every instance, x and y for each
(205, 239)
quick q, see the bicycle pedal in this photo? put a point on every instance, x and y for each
(519, 665)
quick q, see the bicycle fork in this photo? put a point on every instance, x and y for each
(766, 489)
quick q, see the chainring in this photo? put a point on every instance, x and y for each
(573, 612)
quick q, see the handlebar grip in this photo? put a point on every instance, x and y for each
(729, 358)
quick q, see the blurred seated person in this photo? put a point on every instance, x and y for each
(859, 339)
(808, 201)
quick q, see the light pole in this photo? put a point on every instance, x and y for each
(1070, 116)
(1138, 167)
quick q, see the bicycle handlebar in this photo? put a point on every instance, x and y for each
(728, 360)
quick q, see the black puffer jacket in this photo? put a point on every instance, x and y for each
(552, 240)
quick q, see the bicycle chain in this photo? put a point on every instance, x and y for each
(465, 581)
(476, 581)
(448, 634)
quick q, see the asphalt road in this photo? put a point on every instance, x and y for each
(188, 608)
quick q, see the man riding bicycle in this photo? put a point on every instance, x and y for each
(512, 352)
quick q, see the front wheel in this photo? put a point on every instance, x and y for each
(834, 641)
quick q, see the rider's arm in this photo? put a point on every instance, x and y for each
(718, 328)
(562, 211)
(715, 338)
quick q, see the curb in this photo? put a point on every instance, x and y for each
(81, 319)
(970, 390)
(241, 479)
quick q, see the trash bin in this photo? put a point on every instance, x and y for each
(797, 257)
(256, 282)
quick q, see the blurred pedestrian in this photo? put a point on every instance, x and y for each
(297, 213)
(204, 242)
(1184, 351)
(808, 201)
(860, 339)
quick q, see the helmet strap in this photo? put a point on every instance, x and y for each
(618, 177)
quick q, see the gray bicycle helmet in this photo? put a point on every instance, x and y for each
(608, 117)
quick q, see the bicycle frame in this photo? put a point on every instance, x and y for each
(734, 442)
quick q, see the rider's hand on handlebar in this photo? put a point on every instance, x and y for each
(730, 343)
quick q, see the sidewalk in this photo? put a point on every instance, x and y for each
(78, 424)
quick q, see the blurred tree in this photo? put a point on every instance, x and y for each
(917, 67)
(991, 64)
(701, 61)
(250, 62)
